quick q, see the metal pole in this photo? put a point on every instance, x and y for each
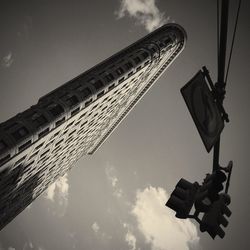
(220, 86)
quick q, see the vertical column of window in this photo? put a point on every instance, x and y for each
(99, 86)
(72, 103)
(54, 109)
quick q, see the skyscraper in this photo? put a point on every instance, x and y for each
(43, 142)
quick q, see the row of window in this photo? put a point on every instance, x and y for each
(37, 119)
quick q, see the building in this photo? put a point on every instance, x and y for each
(43, 142)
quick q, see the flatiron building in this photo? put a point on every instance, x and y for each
(42, 143)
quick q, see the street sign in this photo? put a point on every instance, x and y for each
(203, 109)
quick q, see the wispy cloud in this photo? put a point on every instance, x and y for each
(59, 188)
(28, 245)
(41, 248)
(144, 12)
(59, 191)
(25, 28)
(11, 248)
(113, 179)
(158, 224)
(130, 237)
(7, 60)
(95, 227)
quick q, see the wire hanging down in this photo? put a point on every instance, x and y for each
(234, 33)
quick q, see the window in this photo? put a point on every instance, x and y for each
(121, 80)
(55, 109)
(70, 124)
(25, 145)
(44, 132)
(82, 115)
(39, 146)
(75, 111)
(20, 160)
(98, 84)
(137, 60)
(71, 133)
(109, 77)
(20, 133)
(71, 100)
(59, 122)
(56, 134)
(83, 124)
(88, 102)
(59, 142)
(94, 107)
(138, 68)
(44, 153)
(111, 86)
(2, 160)
(168, 41)
(77, 123)
(86, 92)
(144, 54)
(100, 94)
(3, 146)
(37, 119)
(161, 44)
(153, 49)
(92, 80)
(119, 71)
(130, 73)
(128, 65)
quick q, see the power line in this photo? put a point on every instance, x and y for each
(231, 49)
(218, 34)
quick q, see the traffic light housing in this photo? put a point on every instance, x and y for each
(214, 217)
(182, 198)
(209, 190)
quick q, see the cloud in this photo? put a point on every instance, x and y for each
(11, 248)
(7, 60)
(130, 237)
(28, 245)
(131, 240)
(31, 245)
(145, 12)
(158, 224)
(95, 227)
(112, 178)
(59, 191)
(110, 173)
(59, 188)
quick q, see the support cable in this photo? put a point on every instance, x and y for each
(232, 45)
(218, 35)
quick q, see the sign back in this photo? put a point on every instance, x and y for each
(203, 109)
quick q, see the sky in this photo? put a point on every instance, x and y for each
(115, 199)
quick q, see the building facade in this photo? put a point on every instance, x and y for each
(43, 142)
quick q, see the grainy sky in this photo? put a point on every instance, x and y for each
(115, 198)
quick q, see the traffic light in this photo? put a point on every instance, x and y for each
(209, 190)
(214, 217)
(182, 198)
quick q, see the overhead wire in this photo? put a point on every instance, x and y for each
(233, 39)
(218, 34)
